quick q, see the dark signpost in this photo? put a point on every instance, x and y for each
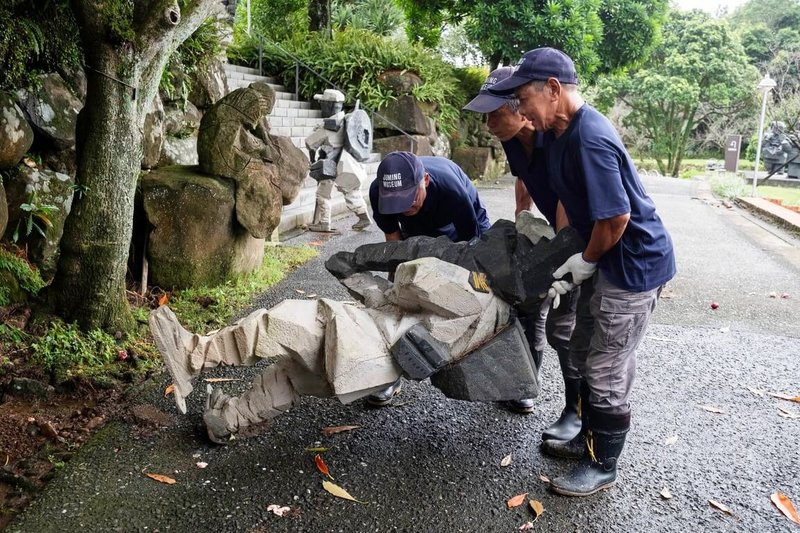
(732, 146)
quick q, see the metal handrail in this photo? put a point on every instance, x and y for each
(298, 63)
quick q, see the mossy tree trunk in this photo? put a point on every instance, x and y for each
(319, 16)
(127, 45)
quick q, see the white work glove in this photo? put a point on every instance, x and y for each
(558, 289)
(580, 269)
(576, 265)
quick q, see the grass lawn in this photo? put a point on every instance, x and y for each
(787, 195)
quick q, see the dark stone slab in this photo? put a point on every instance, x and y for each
(502, 369)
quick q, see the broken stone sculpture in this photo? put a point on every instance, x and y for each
(436, 314)
(234, 142)
(329, 348)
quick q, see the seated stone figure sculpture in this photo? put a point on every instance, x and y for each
(437, 315)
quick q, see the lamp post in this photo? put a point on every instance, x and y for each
(764, 87)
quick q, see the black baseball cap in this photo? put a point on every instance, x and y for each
(539, 64)
(399, 176)
(487, 102)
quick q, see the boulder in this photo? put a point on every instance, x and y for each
(234, 142)
(400, 82)
(178, 151)
(3, 209)
(181, 121)
(42, 188)
(422, 146)
(52, 110)
(153, 134)
(16, 135)
(404, 113)
(440, 146)
(209, 84)
(196, 239)
(63, 161)
(478, 162)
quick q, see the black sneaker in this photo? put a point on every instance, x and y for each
(384, 397)
(523, 407)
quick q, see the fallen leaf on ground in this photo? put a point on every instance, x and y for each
(712, 409)
(788, 414)
(338, 491)
(201, 464)
(773, 294)
(536, 507)
(316, 243)
(672, 440)
(169, 390)
(666, 494)
(787, 397)
(784, 295)
(784, 505)
(278, 510)
(722, 507)
(714, 305)
(337, 429)
(544, 478)
(506, 460)
(312, 295)
(30, 163)
(317, 450)
(164, 300)
(527, 526)
(301, 291)
(162, 478)
(757, 392)
(220, 380)
(321, 466)
(516, 500)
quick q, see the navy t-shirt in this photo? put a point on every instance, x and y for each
(595, 179)
(452, 206)
(533, 173)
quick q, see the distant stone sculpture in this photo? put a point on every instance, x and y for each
(436, 317)
(778, 147)
(336, 149)
(234, 142)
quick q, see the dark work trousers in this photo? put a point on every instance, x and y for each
(610, 325)
(553, 327)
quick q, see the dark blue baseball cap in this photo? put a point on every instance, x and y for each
(487, 102)
(399, 176)
(540, 64)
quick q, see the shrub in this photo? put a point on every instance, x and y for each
(203, 45)
(17, 272)
(355, 58)
(65, 352)
(36, 39)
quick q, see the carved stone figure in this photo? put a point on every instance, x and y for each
(435, 317)
(234, 142)
(336, 149)
(778, 147)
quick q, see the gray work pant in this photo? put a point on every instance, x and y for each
(610, 325)
(553, 327)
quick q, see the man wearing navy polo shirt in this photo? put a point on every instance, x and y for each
(430, 196)
(523, 147)
(628, 258)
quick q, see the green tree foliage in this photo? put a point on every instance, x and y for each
(36, 37)
(698, 72)
(426, 19)
(774, 14)
(631, 29)
(275, 19)
(600, 35)
(355, 59)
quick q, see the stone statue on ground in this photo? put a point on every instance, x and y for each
(437, 319)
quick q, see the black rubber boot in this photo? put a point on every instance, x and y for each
(598, 468)
(384, 397)
(572, 448)
(568, 424)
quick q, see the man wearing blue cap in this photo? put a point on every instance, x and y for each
(523, 147)
(628, 258)
(424, 195)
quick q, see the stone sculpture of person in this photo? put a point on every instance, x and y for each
(234, 142)
(434, 315)
(336, 149)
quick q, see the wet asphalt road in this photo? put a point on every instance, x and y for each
(431, 464)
